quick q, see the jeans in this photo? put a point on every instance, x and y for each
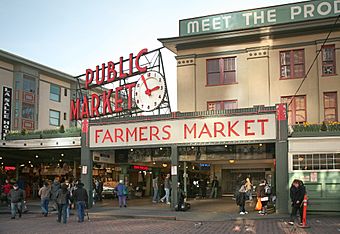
(213, 192)
(295, 209)
(155, 195)
(14, 207)
(242, 209)
(167, 194)
(81, 210)
(122, 200)
(62, 211)
(44, 205)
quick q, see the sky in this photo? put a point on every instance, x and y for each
(73, 35)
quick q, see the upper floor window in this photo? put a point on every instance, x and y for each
(328, 60)
(297, 111)
(54, 93)
(222, 105)
(330, 106)
(29, 84)
(54, 118)
(292, 64)
(221, 71)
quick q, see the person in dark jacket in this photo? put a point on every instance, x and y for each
(17, 197)
(241, 198)
(263, 192)
(297, 193)
(63, 200)
(81, 199)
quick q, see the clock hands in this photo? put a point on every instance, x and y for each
(148, 91)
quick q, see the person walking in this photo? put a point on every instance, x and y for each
(297, 193)
(122, 192)
(214, 188)
(63, 200)
(6, 189)
(80, 197)
(55, 187)
(241, 198)
(155, 187)
(45, 193)
(263, 192)
(17, 197)
(167, 187)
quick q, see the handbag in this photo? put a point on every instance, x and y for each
(258, 204)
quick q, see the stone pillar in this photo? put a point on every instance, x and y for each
(86, 161)
(281, 152)
(185, 178)
(174, 175)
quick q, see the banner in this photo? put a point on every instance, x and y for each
(183, 131)
(6, 111)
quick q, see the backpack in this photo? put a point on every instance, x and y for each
(267, 190)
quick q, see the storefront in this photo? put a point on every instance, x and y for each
(225, 144)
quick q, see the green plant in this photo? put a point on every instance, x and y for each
(323, 126)
(24, 131)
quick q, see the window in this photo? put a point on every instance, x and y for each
(29, 84)
(330, 106)
(222, 105)
(65, 92)
(221, 71)
(328, 60)
(65, 116)
(316, 161)
(54, 118)
(27, 111)
(296, 110)
(54, 93)
(292, 64)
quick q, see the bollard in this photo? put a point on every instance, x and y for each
(304, 213)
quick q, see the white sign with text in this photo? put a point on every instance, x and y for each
(183, 131)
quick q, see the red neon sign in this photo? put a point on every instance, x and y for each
(97, 105)
(142, 168)
(9, 168)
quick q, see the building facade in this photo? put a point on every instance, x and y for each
(261, 57)
(40, 95)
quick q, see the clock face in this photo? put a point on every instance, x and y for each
(150, 91)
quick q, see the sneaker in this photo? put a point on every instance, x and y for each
(291, 223)
(161, 200)
(168, 203)
(242, 213)
(260, 212)
(246, 212)
(125, 206)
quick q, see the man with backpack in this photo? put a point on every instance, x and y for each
(16, 196)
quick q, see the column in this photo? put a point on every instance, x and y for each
(174, 176)
(281, 152)
(124, 173)
(86, 167)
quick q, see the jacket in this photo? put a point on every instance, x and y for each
(80, 194)
(63, 196)
(260, 190)
(297, 194)
(45, 192)
(167, 183)
(16, 195)
(121, 190)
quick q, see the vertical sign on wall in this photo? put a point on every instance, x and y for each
(6, 111)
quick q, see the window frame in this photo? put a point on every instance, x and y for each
(59, 95)
(49, 119)
(323, 158)
(336, 106)
(325, 62)
(292, 64)
(294, 110)
(221, 71)
(221, 102)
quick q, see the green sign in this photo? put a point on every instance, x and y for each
(297, 12)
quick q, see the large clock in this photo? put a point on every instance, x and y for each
(150, 91)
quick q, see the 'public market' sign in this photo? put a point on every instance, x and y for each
(289, 13)
(184, 131)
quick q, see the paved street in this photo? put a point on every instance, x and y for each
(34, 223)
